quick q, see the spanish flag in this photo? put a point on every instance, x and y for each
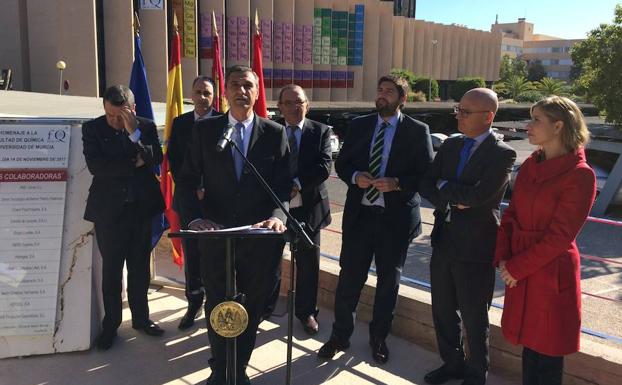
(174, 108)
(260, 107)
(220, 100)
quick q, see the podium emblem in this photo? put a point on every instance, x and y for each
(229, 319)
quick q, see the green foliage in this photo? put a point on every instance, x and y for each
(514, 87)
(416, 96)
(549, 86)
(511, 67)
(598, 61)
(535, 71)
(410, 77)
(531, 96)
(416, 82)
(462, 85)
(422, 85)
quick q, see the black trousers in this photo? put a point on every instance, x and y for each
(255, 267)
(370, 238)
(540, 369)
(192, 271)
(192, 258)
(466, 287)
(126, 240)
(307, 275)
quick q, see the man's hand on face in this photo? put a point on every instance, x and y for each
(127, 119)
(272, 223)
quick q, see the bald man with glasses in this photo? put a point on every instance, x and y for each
(466, 183)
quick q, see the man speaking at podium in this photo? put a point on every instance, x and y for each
(233, 197)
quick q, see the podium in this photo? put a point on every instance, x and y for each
(232, 317)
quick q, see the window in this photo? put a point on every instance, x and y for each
(538, 50)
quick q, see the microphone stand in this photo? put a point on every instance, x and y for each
(295, 235)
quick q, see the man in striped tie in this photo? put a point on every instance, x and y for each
(384, 156)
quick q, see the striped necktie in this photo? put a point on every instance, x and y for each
(375, 161)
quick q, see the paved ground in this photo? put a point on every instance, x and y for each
(601, 267)
(180, 358)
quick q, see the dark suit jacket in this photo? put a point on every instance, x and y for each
(110, 157)
(471, 233)
(410, 156)
(227, 201)
(314, 166)
(181, 134)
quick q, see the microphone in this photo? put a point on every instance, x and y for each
(225, 138)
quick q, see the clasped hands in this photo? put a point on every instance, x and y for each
(385, 184)
(206, 224)
(506, 276)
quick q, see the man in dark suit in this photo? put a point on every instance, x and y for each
(383, 159)
(233, 197)
(121, 151)
(466, 183)
(181, 133)
(310, 165)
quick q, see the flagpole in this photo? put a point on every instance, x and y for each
(136, 23)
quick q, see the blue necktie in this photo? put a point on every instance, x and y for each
(293, 151)
(464, 155)
(237, 158)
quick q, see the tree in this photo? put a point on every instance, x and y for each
(423, 84)
(535, 71)
(462, 85)
(549, 86)
(511, 67)
(410, 77)
(514, 86)
(599, 59)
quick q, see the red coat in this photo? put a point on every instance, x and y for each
(550, 203)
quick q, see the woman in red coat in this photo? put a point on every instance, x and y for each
(536, 250)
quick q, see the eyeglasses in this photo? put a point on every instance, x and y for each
(461, 111)
(297, 103)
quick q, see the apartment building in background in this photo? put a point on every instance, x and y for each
(519, 40)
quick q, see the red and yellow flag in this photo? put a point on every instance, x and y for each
(174, 108)
(260, 108)
(220, 100)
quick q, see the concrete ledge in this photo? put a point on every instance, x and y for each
(594, 364)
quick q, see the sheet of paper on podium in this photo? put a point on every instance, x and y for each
(241, 229)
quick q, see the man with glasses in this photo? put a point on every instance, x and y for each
(383, 160)
(466, 183)
(181, 132)
(310, 165)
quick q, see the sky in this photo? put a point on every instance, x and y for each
(566, 19)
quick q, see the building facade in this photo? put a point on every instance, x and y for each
(518, 40)
(336, 49)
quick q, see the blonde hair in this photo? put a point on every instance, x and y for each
(558, 108)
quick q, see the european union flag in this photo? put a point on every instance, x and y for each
(140, 88)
